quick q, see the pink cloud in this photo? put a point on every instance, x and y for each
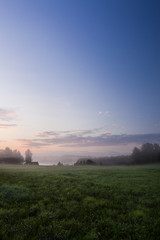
(104, 139)
(7, 114)
(7, 126)
(100, 113)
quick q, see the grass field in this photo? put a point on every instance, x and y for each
(79, 203)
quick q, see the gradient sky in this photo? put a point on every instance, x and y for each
(79, 76)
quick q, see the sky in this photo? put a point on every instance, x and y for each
(79, 77)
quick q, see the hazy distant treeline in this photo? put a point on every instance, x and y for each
(116, 160)
(148, 153)
(9, 156)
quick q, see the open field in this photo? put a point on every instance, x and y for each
(79, 203)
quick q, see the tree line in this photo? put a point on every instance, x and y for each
(9, 156)
(104, 161)
(146, 154)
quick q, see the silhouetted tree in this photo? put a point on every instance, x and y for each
(136, 155)
(157, 151)
(90, 162)
(59, 164)
(85, 162)
(148, 153)
(28, 156)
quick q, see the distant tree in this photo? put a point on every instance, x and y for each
(7, 156)
(136, 155)
(60, 164)
(157, 151)
(85, 162)
(90, 162)
(28, 156)
(156, 147)
(148, 153)
(8, 152)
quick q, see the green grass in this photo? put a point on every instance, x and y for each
(79, 203)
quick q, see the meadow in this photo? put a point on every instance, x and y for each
(79, 202)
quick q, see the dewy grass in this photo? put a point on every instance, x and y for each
(90, 203)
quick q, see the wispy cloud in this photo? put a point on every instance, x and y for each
(7, 126)
(31, 143)
(58, 134)
(81, 140)
(105, 113)
(7, 114)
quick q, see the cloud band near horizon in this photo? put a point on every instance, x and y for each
(83, 139)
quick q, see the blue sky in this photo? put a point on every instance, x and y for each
(83, 71)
